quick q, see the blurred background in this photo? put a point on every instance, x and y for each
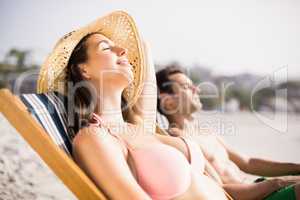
(215, 41)
(251, 48)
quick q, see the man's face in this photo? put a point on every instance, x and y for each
(185, 95)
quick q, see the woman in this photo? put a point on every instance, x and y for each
(125, 160)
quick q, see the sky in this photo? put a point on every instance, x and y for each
(229, 37)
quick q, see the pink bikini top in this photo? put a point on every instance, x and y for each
(162, 170)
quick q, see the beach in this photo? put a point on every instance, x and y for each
(23, 175)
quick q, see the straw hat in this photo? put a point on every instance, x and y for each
(119, 27)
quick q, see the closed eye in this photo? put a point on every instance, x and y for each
(103, 45)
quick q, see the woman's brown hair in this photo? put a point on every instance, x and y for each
(82, 96)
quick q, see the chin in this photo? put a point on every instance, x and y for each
(124, 82)
(199, 106)
(125, 76)
(195, 107)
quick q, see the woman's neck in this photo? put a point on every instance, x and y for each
(109, 106)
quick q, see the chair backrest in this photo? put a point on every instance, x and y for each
(162, 121)
(162, 124)
(49, 109)
(40, 128)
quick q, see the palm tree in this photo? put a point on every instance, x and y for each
(20, 55)
(7, 69)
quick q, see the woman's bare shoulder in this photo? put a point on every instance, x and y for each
(93, 138)
(88, 134)
(100, 155)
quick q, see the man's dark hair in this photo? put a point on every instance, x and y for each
(164, 84)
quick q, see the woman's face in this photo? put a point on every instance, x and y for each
(106, 63)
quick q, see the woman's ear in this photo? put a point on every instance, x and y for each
(84, 71)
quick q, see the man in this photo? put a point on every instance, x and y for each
(178, 99)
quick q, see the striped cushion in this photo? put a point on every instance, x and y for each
(162, 121)
(49, 109)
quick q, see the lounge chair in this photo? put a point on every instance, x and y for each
(42, 118)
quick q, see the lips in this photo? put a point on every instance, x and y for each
(122, 61)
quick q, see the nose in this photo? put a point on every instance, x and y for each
(120, 51)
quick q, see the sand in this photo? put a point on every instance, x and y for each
(23, 175)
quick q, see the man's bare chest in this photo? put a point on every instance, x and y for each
(211, 148)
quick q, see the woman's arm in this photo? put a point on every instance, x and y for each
(102, 158)
(145, 107)
(146, 104)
